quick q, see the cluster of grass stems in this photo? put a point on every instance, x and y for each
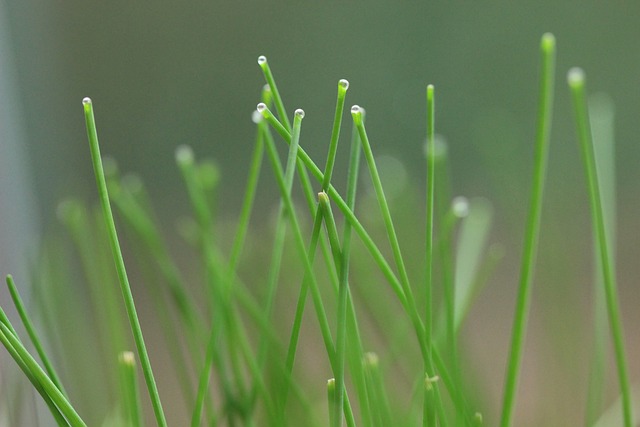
(232, 364)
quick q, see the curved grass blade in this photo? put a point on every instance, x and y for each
(120, 267)
(547, 50)
(10, 341)
(26, 321)
(576, 80)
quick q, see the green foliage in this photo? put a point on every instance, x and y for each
(389, 335)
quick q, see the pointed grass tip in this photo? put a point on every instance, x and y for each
(576, 77)
(299, 113)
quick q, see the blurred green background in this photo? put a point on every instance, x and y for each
(168, 73)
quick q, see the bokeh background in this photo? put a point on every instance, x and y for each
(163, 74)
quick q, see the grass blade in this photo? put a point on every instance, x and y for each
(57, 415)
(429, 419)
(129, 387)
(26, 321)
(471, 245)
(120, 267)
(10, 341)
(602, 126)
(547, 47)
(576, 80)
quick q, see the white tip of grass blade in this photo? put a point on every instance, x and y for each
(184, 155)
(86, 101)
(548, 42)
(256, 117)
(460, 206)
(477, 417)
(127, 358)
(262, 60)
(322, 197)
(262, 107)
(344, 84)
(576, 77)
(356, 113)
(299, 113)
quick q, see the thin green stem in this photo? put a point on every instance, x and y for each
(247, 203)
(262, 61)
(371, 246)
(55, 411)
(356, 112)
(26, 321)
(120, 267)
(429, 419)
(344, 208)
(18, 351)
(130, 392)
(306, 259)
(547, 50)
(577, 85)
(343, 291)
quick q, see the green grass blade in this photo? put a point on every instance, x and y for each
(576, 80)
(342, 205)
(10, 341)
(331, 399)
(356, 112)
(120, 267)
(343, 292)
(470, 249)
(57, 415)
(343, 85)
(129, 387)
(547, 48)
(304, 255)
(376, 391)
(105, 303)
(28, 325)
(247, 202)
(602, 118)
(429, 419)
(262, 61)
(371, 246)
